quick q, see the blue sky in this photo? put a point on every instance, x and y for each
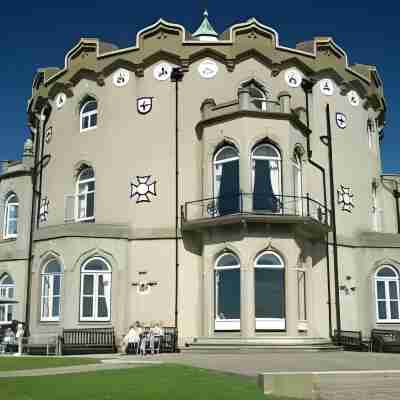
(38, 34)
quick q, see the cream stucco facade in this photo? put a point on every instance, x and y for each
(161, 253)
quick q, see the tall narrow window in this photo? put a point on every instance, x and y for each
(7, 291)
(266, 177)
(376, 211)
(11, 217)
(387, 294)
(227, 293)
(301, 295)
(88, 115)
(85, 195)
(297, 184)
(95, 290)
(51, 291)
(269, 292)
(226, 180)
(370, 132)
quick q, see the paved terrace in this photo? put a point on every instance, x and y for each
(250, 364)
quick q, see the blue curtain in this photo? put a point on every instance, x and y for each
(263, 196)
(228, 197)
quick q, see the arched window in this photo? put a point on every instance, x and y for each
(227, 293)
(258, 95)
(51, 291)
(226, 180)
(95, 290)
(269, 288)
(11, 216)
(387, 294)
(266, 178)
(85, 192)
(88, 114)
(297, 183)
(7, 291)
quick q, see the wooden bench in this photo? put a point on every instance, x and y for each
(350, 340)
(169, 340)
(385, 340)
(88, 340)
(41, 345)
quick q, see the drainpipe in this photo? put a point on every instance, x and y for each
(307, 87)
(332, 195)
(176, 76)
(41, 122)
(396, 195)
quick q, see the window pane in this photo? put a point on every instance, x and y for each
(82, 206)
(45, 307)
(382, 310)
(265, 151)
(102, 309)
(268, 259)
(89, 106)
(228, 293)
(11, 293)
(85, 122)
(96, 265)
(227, 152)
(228, 260)
(7, 280)
(87, 173)
(88, 284)
(90, 186)
(380, 289)
(90, 205)
(87, 310)
(393, 290)
(56, 285)
(46, 285)
(13, 211)
(269, 293)
(101, 286)
(93, 120)
(56, 307)
(2, 312)
(12, 227)
(52, 267)
(10, 313)
(394, 310)
(386, 272)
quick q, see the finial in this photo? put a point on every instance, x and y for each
(205, 13)
(206, 32)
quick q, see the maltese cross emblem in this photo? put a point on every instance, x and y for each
(142, 189)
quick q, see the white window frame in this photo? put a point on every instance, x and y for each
(95, 296)
(217, 167)
(8, 219)
(226, 324)
(85, 194)
(387, 299)
(270, 323)
(50, 295)
(88, 114)
(5, 290)
(262, 99)
(376, 211)
(298, 183)
(276, 180)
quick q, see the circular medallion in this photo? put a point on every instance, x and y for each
(121, 77)
(354, 98)
(208, 69)
(326, 86)
(162, 71)
(61, 100)
(341, 120)
(293, 77)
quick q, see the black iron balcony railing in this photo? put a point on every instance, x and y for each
(259, 204)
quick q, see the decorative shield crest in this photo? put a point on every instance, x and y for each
(341, 120)
(143, 188)
(144, 105)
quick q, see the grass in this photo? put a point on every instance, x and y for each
(143, 383)
(18, 363)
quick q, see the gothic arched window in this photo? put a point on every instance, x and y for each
(266, 178)
(226, 180)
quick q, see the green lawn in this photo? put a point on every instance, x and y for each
(17, 363)
(175, 382)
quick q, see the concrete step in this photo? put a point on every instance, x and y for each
(218, 345)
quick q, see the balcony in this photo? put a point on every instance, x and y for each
(308, 216)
